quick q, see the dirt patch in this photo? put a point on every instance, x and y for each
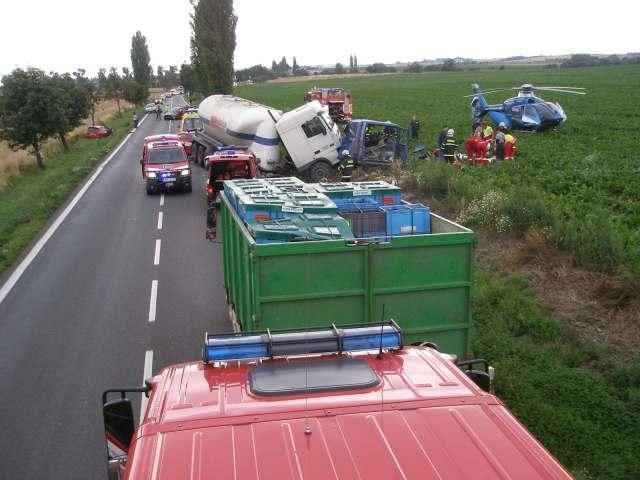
(592, 305)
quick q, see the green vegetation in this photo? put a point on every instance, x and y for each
(31, 198)
(586, 172)
(580, 183)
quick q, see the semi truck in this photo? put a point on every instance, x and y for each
(332, 403)
(304, 141)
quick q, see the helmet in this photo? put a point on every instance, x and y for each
(346, 153)
(450, 132)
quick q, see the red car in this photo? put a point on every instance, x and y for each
(359, 405)
(229, 163)
(97, 131)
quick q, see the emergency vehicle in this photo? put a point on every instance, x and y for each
(339, 101)
(165, 165)
(333, 403)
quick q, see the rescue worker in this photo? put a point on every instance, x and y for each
(476, 126)
(134, 120)
(441, 139)
(450, 146)
(500, 140)
(414, 127)
(345, 170)
(509, 146)
(158, 111)
(487, 131)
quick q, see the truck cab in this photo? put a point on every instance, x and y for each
(374, 143)
(190, 124)
(338, 100)
(311, 139)
(326, 403)
(165, 166)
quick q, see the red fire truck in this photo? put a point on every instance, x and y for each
(339, 101)
(335, 403)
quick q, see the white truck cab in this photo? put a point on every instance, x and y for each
(311, 139)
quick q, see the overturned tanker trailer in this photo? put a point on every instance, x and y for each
(303, 141)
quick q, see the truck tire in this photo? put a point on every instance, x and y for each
(319, 171)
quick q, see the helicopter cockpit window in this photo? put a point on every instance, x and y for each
(516, 111)
(530, 115)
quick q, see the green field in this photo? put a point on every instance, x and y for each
(588, 170)
(582, 182)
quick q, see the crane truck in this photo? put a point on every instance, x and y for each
(303, 141)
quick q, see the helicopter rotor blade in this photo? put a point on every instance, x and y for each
(489, 91)
(561, 90)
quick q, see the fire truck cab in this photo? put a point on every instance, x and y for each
(334, 403)
(339, 101)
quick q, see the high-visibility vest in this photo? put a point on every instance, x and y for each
(487, 132)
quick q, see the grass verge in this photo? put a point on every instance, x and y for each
(31, 198)
(579, 404)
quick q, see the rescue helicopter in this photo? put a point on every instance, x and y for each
(524, 112)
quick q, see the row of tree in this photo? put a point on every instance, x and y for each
(35, 106)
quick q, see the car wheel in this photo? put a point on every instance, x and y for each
(149, 190)
(319, 171)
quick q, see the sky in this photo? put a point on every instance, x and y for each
(65, 35)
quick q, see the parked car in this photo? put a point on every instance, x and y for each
(150, 108)
(98, 131)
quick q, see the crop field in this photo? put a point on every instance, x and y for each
(588, 170)
(584, 179)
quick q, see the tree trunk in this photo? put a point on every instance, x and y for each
(93, 113)
(118, 103)
(39, 159)
(63, 141)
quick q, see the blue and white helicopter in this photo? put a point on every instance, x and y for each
(524, 112)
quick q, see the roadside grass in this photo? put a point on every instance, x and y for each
(13, 162)
(31, 198)
(566, 391)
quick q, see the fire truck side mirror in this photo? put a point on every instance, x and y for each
(118, 427)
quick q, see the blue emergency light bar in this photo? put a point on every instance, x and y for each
(255, 345)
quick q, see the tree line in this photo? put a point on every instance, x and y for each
(35, 105)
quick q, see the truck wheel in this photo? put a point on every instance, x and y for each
(319, 171)
(188, 189)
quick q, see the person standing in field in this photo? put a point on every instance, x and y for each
(450, 146)
(442, 136)
(509, 146)
(414, 127)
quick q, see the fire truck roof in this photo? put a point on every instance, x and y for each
(411, 414)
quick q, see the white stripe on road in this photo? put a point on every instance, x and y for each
(152, 301)
(156, 256)
(160, 221)
(33, 253)
(147, 372)
(162, 199)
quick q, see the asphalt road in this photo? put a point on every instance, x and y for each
(82, 317)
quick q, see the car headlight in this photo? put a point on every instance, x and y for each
(151, 174)
(185, 172)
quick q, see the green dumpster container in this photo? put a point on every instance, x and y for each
(423, 282)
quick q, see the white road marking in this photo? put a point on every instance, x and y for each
(162, 199)
(160, 220)
(33, 253)
(147, 372)
(152, 300)
(156, 255)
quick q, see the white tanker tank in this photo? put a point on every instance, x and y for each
(308, 134)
